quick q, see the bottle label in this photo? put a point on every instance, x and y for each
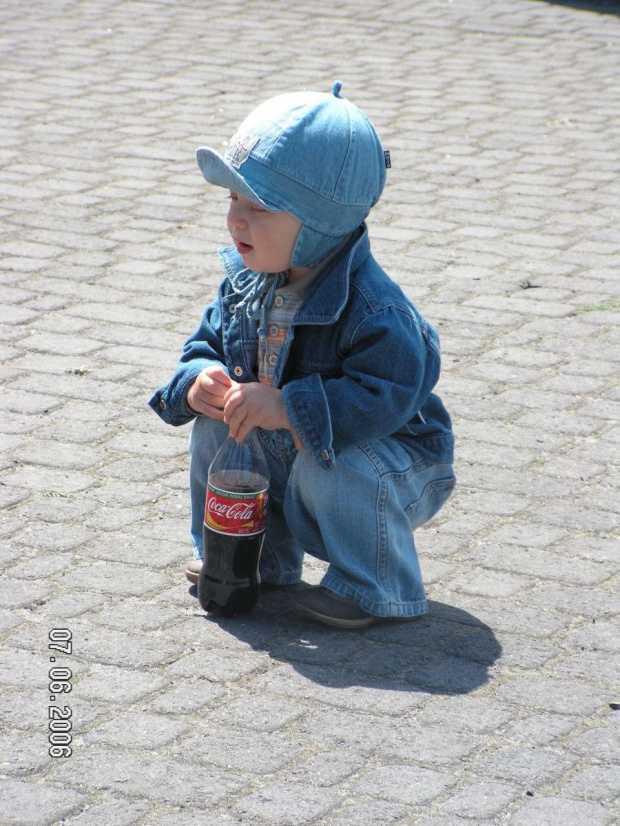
(238, 514)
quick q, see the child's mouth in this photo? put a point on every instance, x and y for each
(243, 249)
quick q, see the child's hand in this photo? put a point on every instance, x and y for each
(251, 405)
(207, 393)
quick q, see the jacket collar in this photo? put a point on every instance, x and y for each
(327, 297)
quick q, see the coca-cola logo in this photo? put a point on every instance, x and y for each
(239, 511)
(227, 512)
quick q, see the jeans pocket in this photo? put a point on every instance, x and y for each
(433, 498)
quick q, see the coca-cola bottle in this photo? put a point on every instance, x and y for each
(234, 527)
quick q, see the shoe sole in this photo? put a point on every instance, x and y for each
(337, 622)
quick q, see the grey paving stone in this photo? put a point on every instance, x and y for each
(48, 480)
(326, 769)
(111, 520)
(285, 805)
(600, 783)
(15, 593)
(127, 494)
(111, 684)
(392, 738)
(41, 566)
(114, 578)
(27, 804)
(110, 646)
(23, 754)
(186, 698)
(11, 495)
(145, 616)
(218, 665)
(9, 619)
(29, 710)
(459, 674)
(551, 810)
(596, 667)
(577, 518)
(50, 508)
(331, 689)
(504, 617)
(543, 564)
(466, 714)
(244, 751)
(262, 714)
(582, 602)
(530, 536)
(599, 636)
(320, 646)
(112, 812)
(53, 537)
(409, 785)
(128, 772)
(492, 584)
(368, 814)
(136, 470)
(530, 766)
(482, 799)
(561, 696)
(452, 820)
(540, 729)
(139, 731)
(600, 743)
(187, 819)
(58, 611)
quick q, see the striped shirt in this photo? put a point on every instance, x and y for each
(279, 318)
(287, 300)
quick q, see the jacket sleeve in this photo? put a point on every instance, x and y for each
(203, 348)
(390, 366)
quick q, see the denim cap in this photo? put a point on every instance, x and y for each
(314, 155)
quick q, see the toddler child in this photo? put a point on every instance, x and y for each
(313, 344)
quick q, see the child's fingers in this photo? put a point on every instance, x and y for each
(236, 416)
(214, 412)
(234, 396)
(243, 430)
(218, 375)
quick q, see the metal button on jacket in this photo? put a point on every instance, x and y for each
(238, 371)
(162, 404)
(325, 454)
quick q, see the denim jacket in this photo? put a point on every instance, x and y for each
(359, 362)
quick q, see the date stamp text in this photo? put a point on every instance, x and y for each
(60, 723)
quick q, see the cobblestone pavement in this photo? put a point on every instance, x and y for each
(501, 221)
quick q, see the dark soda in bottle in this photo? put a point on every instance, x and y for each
(234, 528)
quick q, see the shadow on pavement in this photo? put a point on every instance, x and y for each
(597, 6)
(447, 651)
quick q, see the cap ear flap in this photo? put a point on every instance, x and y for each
(312, 246)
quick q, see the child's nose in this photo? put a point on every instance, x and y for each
(236, 216)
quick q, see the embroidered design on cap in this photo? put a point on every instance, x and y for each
(239, 148)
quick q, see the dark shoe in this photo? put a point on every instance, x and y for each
(192, 572)
(328, 608)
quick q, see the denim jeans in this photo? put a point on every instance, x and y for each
(359, 516)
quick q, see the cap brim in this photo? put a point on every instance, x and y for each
(220, 172)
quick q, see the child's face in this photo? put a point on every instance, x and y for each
(264, 239)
